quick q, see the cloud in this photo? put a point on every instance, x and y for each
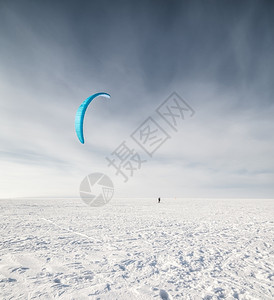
(217, 55)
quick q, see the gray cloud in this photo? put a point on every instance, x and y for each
(217, 54)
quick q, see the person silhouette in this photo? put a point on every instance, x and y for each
(159, 200)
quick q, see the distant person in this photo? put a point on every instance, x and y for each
(159, 200)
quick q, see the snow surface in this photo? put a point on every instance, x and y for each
(137, 249)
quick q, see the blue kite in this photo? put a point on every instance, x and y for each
(80, 114)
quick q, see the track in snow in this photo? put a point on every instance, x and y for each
(137, 249)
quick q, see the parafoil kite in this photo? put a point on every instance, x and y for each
(80, 114)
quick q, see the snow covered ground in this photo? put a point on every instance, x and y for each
(137, 249)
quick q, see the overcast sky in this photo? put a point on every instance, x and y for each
(217, 55)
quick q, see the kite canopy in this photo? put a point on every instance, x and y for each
(80, 114)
